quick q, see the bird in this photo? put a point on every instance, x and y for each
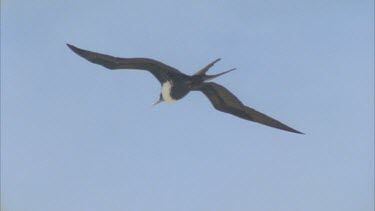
(175, 85)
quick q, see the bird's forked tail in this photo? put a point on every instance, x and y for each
(206, 68)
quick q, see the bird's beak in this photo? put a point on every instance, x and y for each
(157, 102)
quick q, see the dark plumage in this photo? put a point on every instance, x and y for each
(175, 85)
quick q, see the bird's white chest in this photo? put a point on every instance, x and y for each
(166, 91)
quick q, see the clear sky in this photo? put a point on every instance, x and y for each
(78, 137)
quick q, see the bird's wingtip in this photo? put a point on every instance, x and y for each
(70, 46)
(298, 132)
(75, 49)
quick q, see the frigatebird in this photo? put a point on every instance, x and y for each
(175, 85)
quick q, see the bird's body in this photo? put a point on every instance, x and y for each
(166, 92)
(176, 85)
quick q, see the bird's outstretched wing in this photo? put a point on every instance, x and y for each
(223, 100)
(160, 70)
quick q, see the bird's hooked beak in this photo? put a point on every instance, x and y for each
(159, 101)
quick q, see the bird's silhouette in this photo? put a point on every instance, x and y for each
(176, 85)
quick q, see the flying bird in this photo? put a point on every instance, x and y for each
(175, 85)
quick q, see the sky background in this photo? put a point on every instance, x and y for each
(78, 137)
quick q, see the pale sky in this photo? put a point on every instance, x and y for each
(76, 136)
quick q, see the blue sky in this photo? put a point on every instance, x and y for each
(76, 136)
